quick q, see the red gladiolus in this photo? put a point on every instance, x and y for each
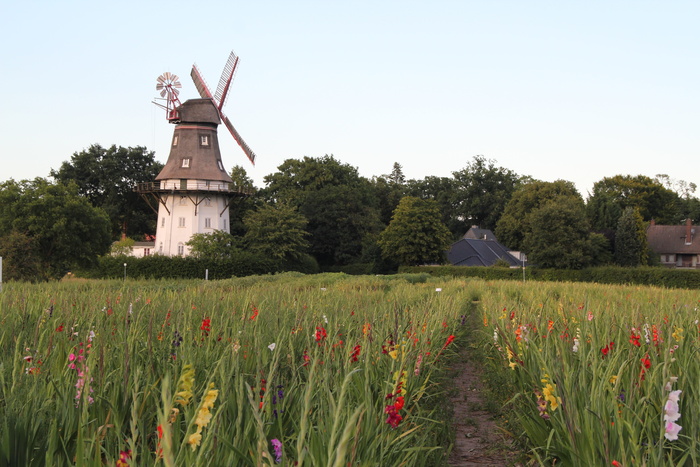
(646, 363)
(394, 418)
(254, 315)
(355, 353)
(124, 458)
(605, 350)
(634, 338)
(321, 334)
(398, 405)
(59, 328)
(449, 341)
(206, 326)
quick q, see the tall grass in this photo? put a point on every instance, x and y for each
(250, 371)
(592, 368)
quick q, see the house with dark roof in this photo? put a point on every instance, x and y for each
(678, 246)
(479, 247)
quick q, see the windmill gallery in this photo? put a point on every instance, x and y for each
(193, 192)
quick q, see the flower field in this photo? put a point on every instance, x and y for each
(337, 370)
(602, 375)
(274, 370)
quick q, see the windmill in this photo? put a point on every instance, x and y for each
(168, 85)
(219, 98)
(193, 191)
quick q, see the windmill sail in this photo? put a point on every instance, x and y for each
(221, 91)
(200, 84)
(246, 149)
(225, 81)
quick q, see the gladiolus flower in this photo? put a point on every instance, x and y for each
(605, 350)
(449, 341)
(355, 353)
(671, 415)
(320, 334)
(195, 440)
(184, 386)
(206, 326)
(124, 458)
(277, 446)
(634, 338)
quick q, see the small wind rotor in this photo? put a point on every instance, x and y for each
(220, 97)
(168, 85)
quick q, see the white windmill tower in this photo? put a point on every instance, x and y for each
(193, 191)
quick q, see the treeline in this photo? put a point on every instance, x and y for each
(320, 214)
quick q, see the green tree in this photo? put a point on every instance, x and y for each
(415, 234)
(389, 189)
(516, 223)
(107, 177)
(339, 205)
(65, 229)
(277, 231)
(240, 206)
(20, 258)
(122, 247)
(612, 195)
(631, 247)
(443, 191)
(216, 245)
(482, 191)
(559, 236)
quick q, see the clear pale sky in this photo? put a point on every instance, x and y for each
(556, 90)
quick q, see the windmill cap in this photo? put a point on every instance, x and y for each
(199, 111)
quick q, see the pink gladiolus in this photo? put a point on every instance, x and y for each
(672, 430)
(671, 415)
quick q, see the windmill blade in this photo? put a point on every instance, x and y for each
(199, 83)
(246, 149)
(225, 80)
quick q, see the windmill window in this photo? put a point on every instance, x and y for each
(160, 247)
(221, 166)
(207, 223)
(162, 222)
(146, 251)
(203, 140)
(180, 249)
(175, 138)
(186, 163)
(181, 222)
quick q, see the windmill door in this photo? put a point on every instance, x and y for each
(183, 184)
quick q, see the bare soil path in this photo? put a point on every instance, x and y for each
(478, 439)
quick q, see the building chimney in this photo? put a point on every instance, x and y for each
(688, 231)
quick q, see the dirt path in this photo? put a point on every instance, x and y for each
(478, 440)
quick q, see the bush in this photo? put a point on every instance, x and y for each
(165, 267)
(660, 277)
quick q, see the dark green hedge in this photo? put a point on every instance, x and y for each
(163, 267)
(661, 277)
